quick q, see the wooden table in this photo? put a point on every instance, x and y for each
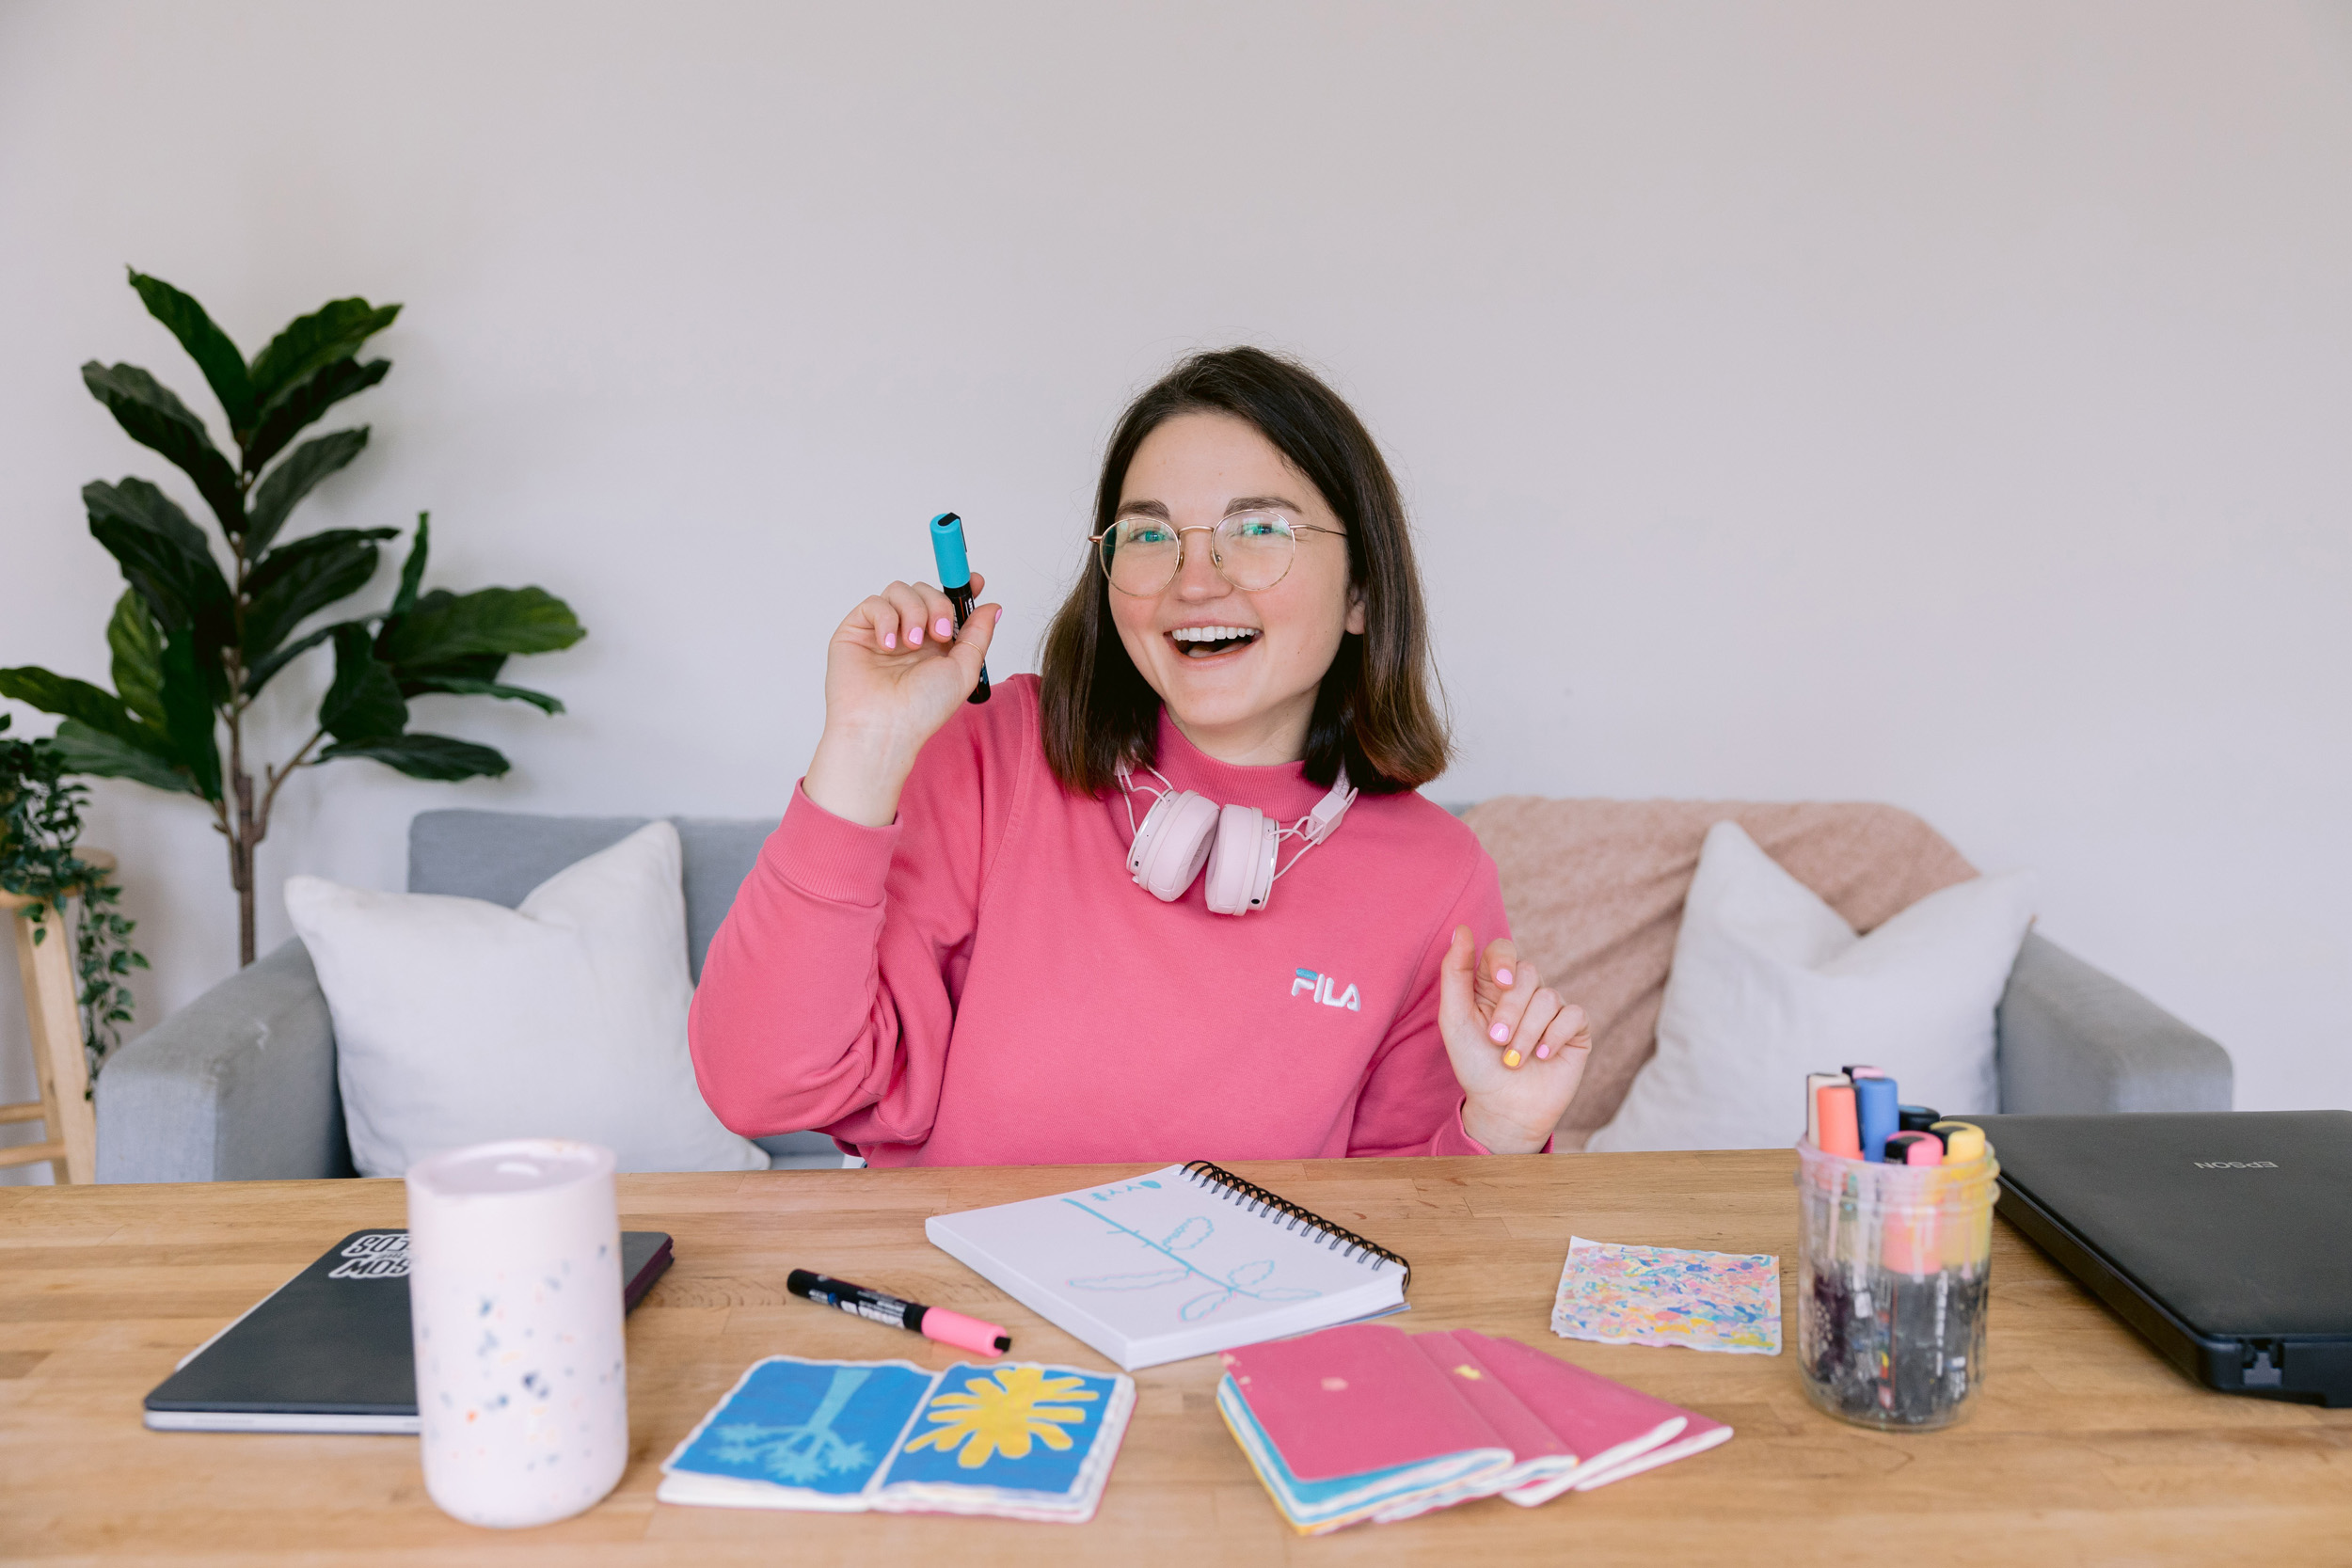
(2085, 1447)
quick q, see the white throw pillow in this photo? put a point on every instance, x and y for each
(1769, 984)
(458, 1022)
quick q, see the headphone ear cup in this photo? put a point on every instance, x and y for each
(1241, 868)
(1154, 823)
(1171, 843)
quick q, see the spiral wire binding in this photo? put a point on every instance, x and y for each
(1299, 1219)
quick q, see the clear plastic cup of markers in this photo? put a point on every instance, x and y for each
(1894, 1267)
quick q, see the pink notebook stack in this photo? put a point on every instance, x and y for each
(1366, 1421)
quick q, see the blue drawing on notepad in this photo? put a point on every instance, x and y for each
(1242, 1279)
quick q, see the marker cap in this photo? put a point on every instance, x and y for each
(955, 571)
(1874, 1108)
(1833, 1105)
(1863, 1071)
(1917, 1118)
(954, 1328)
(1814, 1084)
(1964, 1141)
(1915, 1148)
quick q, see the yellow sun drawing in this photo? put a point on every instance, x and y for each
(1000, 1414)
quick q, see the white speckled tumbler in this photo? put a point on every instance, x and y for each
(514, 1285)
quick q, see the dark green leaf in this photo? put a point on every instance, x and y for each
(364, 704)
(303, 402)
(309, 345)
(412, 570)
(70, 699)
(466, 685)
(88, 750)
(292, 480)
(163, 554)
(424, 756)
(207, 344)
(138, 650)
(258, 676)
(446, 625)
(155, 417)
(470, 667)
(294, 580)
(188, 700)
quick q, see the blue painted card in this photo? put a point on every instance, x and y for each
(1019, 1428)
(826, 1426)
(1015, 1439)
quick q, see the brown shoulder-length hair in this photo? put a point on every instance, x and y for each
(1374, 711)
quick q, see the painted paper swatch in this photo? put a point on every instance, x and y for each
(1015, 1439)
(1653, 1295)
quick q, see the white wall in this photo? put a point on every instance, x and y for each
(1944, 406)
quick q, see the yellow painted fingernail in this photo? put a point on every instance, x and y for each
(1510, 1058)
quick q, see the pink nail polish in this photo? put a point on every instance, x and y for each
(1498, 1035)
(1543, 1053)
(914, 637)
(1503, 976)
(890, 639)
(946, 629)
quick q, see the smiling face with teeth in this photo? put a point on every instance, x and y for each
(1237, 670)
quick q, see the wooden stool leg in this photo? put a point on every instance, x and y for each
(70, 1122)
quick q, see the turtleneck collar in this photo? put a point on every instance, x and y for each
(1279, 789)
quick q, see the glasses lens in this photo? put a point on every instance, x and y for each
(1255, 548)
(1139, 554)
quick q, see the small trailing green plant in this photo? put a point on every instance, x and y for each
(194, 645)
(41, 824)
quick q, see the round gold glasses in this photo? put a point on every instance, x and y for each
(1252, 550)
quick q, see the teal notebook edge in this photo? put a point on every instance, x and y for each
(1314, 1503)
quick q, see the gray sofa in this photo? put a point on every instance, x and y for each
(240, 1085)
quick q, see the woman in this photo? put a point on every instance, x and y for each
(941, 957)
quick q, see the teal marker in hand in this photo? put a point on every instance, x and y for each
(955, 580)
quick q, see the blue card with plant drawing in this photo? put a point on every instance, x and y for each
(1012, 1439)
(826, 1426)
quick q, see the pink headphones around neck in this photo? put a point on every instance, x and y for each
(1185, 829)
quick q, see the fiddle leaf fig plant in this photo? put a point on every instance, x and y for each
(194, 643)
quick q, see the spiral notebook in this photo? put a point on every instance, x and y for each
(1183, 1261)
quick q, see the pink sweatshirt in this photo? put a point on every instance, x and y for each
(981, 982)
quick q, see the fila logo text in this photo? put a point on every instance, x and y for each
(1324, 988)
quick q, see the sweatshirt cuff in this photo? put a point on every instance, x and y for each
(830, 857)
(1454, 1138)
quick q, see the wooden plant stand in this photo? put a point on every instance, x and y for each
(64, 1108)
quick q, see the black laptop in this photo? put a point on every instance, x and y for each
(2223, 1236)
(331, 1349)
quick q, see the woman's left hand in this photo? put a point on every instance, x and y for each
(1518, 1049)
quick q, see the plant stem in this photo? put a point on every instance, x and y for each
(241, 842)
(276, 778)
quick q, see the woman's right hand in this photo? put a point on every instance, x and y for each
(895, 670)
